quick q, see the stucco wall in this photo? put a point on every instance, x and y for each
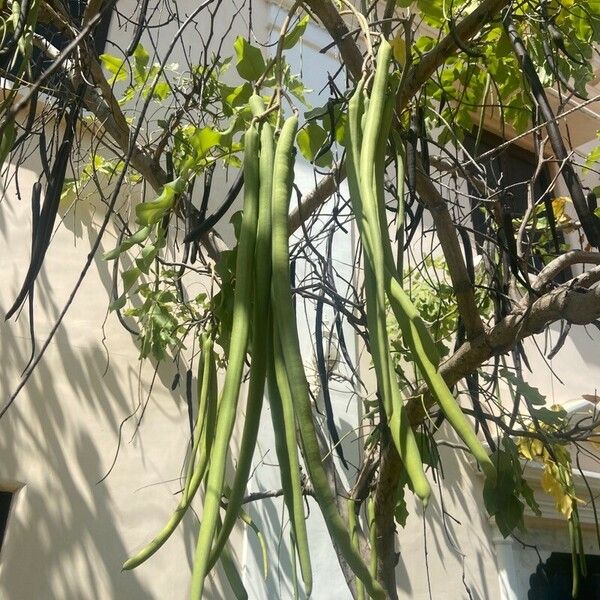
(68, 534)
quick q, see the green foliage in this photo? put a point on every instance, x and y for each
(461, 83)
(505, 498)
(250, 62)
(116, 66)
(293, 36)
(310, 140)
(152, 212)
(430, 288)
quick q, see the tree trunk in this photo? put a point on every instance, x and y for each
(385, 503)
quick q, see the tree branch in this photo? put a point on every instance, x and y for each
(112, 122)
(311, 201)
(328, 14)
(463, 31)
(589, 221)
(418, 75)
(385, 504)
(562, 262)
(575, 305)
(447, 234)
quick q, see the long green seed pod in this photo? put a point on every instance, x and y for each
(574, 561)
(365, 176)
(203, 436)
(242, 307)
(232, 574)
(402, 433)
(399, 159)
(372, 536)
(376, 314)
(249, 521)
(419, 341)
(398, 423)
(374, 247)
(295, 591)
(206, 379)
(260, 324)
(295, 504)
(353, 527)
(279, 433)
(285, 319)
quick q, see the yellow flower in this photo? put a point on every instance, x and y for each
(399, 49)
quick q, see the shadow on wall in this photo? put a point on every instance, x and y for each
(450, 547)
(68, 535)
(62, 541)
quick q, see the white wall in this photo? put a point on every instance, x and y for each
(68, 534)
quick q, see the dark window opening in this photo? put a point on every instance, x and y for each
(5, 502)
(553, 580)
(510, 170)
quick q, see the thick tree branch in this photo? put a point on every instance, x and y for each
(112, 121)
(328, 14)
(385, 505)
(311, 201)
(418, 75)
(562, 262)
(573, 304)
(464, 30)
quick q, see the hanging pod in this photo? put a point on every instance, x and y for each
(228, 404)
(285, 321)
(365, 179)
(203, 436)
(259, 342)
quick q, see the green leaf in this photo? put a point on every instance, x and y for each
(151, 212)
(239, 95)
(433, 12)
(555, 418)
(296, 87)
(116, 66)
(204, 140)
(140, 58)
(137, 238)
(292, 38)
(118, 304)
(511, 516)
(528, 496)
(533, 395)
(401, 511)
(592, 158)
(146, 259)
(129, 278)
(250, 62)
(310, 140)
(161, 91)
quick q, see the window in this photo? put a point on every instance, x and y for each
(5, 502)
(511, 170)
(553, 579)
